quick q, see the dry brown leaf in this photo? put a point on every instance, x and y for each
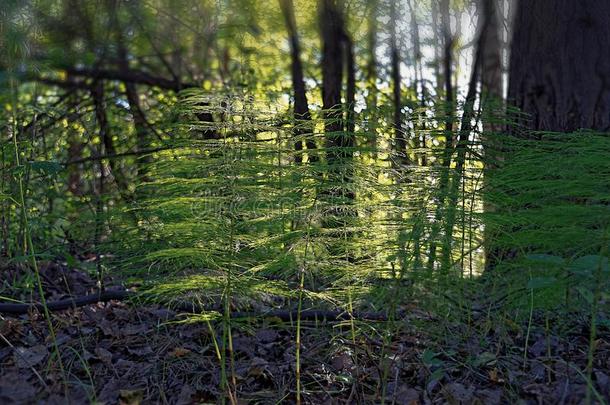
(179, 352)
(130, 397)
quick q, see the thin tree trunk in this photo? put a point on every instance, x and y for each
(371, 79)
(331, 23)
(466, 128)
(447, 72)
(350, 92)
(420, 133)
(139, 119)
(337, 60)
(75, 151)
(491, 100)
(302, 115)
(436, 38)
(491, 59)
(399, 136)
(448, 112)
(97, 93)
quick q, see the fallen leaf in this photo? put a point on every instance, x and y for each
(342, 361)
(456, 393)
(104, 355)
(25, 357)
(266, 335)
(110, 392)
(485, 359)
(179, 352)
(131, 330)
(130, 397)
(108, 328)
(9, 326)
(186, 395)
(124, 365)
(490, 397)
(258, 367)
(140, 351)
(402, 394)
(14, 389)
(494, 376)
(539, 348)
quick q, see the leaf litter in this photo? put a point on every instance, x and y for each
(115, 353)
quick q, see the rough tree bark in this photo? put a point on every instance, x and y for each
(438, 82)
(491, 77)
(559, 70)
(559, 74)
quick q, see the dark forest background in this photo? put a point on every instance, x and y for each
(410, 198)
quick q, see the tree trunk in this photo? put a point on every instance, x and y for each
(492, 103)
(75, 151)
(420, 85)
(559, 77)
(133, 99)
(447, 76)
(491, 59)
(371, 79)
(350, 91)
(438, 81)
(337, 60)
(399, 136)
(331, 23)
(302, 115)
(461, 147)
(448, 149)
(99, 103)
(560, 64)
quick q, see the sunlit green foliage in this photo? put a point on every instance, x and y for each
(205, 204)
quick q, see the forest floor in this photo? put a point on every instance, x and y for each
(120, 353)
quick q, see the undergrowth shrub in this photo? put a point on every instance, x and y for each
(237, 209)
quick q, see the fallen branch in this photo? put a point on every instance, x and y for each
(116, 155)
(68, 303)
(122, 295)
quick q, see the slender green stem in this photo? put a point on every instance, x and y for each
(298, 337)
(28, 244)
(300, 303)
(594, 308)
(529, 328)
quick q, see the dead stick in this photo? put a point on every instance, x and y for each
(121, 295)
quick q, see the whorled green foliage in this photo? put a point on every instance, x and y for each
(227, 196)
(549, 227)
(239, 208)
(554, 194)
